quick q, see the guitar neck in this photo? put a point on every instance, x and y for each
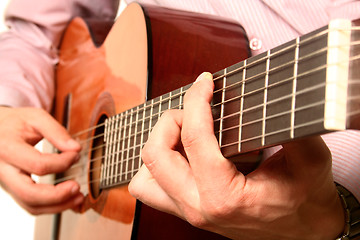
(305, 87)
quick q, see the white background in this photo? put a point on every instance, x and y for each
(15, 223)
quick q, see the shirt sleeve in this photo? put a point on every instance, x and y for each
(28, 50)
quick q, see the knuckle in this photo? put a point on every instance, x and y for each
(189, 136)
(167, 114)
(40, 168)
(33, 211)
(216, 212)
(27, 199)
(197, 220)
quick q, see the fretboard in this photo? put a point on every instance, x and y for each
(295, 90)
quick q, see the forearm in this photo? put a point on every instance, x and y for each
(28, 51)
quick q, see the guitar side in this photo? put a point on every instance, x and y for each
(149, 51)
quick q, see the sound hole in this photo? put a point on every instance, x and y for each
(97, 153)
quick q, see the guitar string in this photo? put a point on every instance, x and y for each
(237, 113)
(279, 52)
(227, 87)
(257, 91)
(133, 170)
(125, 175)
(97, 126)
(319, 103)
(237, 142)
(234, 114)
(136, 146)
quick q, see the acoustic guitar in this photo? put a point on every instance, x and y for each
(114, 80)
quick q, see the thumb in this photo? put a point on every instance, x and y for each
(308, 154)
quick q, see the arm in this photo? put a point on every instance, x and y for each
(28, 55)
(28, 51)
(287, 197)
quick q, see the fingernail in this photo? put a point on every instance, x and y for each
(75, 189)
(203, 76)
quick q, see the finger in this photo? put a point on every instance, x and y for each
(31, 194)
(49, 128)
(167, 165)
(200, 143)
(31, 160)
(72, 203)
(145, 188)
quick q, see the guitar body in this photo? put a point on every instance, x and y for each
(149, 51)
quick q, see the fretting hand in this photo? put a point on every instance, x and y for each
(290, 196)
(20, 130)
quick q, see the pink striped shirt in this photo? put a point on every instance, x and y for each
(28, 52)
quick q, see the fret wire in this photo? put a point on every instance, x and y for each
(118, 145)
(170, 96)
(181, 97)
(251, 139)
(320, 34)
(277, 83)
(109, 144)
(354, 58)
(240, 82)
(108, 170)
(107, 134)
(281, 51)
(135, 139)
(271, 117)
(242, 141)
(291, 63)
(232, 72)
(123, 175)
(317, 121)
(242, 105)
(293, 100)
(102, 170)
(102, 124)
(113, 142)
(261, 105)
(142, 135)
(265, 97)
(129, 144)
(222, 108)
(277, 115)
(288, 64)
(160, 107)
(123, 147)
(151, 115)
